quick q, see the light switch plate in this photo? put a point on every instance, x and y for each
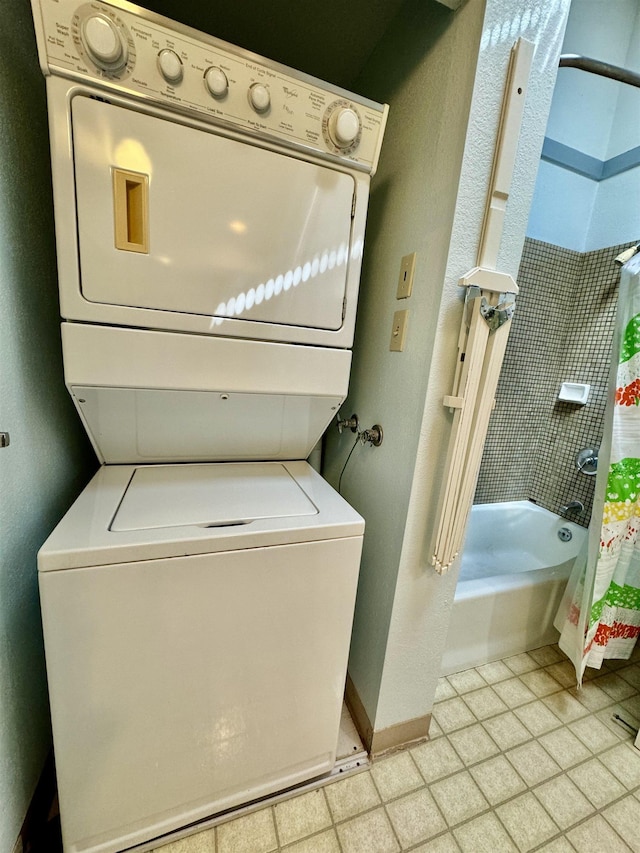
(405, 278)
(399, 330)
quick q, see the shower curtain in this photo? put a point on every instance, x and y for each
(599, 616)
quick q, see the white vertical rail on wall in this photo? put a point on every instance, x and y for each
(484, 330)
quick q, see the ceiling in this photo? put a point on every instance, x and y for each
(331, 39)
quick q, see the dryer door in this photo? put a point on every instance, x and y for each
(179, 219)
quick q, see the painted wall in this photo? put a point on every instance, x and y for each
(411, 209)
(48, 460)
(423, 200)
(600, 118)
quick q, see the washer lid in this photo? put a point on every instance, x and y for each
(131, 513)
(216, 495)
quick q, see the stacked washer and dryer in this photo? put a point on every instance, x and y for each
(198, 597)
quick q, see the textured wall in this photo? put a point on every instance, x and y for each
(422, 604)
(403, 608)
(562, 330)
(412, 207)
(49, 459)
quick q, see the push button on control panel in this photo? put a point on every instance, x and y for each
(259, 98)
(170, 66)
(216, 82)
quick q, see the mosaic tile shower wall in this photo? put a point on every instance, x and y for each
(562, 330)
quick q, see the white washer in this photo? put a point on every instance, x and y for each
(197, 622)
(210, 210)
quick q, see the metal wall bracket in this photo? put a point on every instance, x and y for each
(5, 440)
(497, 315)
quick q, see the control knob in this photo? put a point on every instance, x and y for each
(344, 127)
(216, 82)
(259, 97)
(170, 66)
(103, 43)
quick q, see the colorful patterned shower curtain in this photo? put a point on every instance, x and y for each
(600, 613)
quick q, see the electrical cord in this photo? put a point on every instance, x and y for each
(347, 462)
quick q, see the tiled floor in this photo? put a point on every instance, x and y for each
(518, 760)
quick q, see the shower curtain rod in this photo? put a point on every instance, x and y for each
(604, 69)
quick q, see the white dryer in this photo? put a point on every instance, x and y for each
(198, 597)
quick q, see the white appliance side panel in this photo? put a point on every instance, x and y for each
(180, 688)
(233, 230)
(146, 425)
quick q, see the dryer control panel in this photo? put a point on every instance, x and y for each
(119, 46)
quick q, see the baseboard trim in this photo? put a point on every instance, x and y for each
(383, 740)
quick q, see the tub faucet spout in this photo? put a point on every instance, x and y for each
(572, 506)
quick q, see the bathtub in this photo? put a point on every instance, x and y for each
(513, 573)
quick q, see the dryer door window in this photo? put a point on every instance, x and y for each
(183, 220)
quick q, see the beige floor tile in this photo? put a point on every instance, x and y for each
(606, 718)
(591, 696)
(254, 833)
(415, 818)
(558, 845)
(351, 796)
(473, 744)
(533, 763)
(526, 822)
(452, 714)
(596, 835)
(514, 692)
(434, 730)
(201, 842)
(520, 663)
(632, 705)
(507, 730)
(615, 686)
(444, 691)
(624, 817)
(565, 706)
(547, 655)
(563, 801)
(494, 672)
(465, 682)
(537, 718)
(631, 674)
(564, 747)
(497, 780)
(624, 762)
(594, 734)
(396, 775)
(564, 672)
(442, 844)
(436, 759)
(303, 815)
(369, 833)
(459, 798)
(325, 842)
(540, 682)
(484, 835)
(485, 703)
(596, 782)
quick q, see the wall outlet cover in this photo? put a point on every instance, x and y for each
(405, 277)
(399, 330)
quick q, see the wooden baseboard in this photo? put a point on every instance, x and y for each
(383, 740)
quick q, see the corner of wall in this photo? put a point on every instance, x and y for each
(49, 458)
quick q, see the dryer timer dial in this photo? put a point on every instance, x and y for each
(342, 127)
(104, 43)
